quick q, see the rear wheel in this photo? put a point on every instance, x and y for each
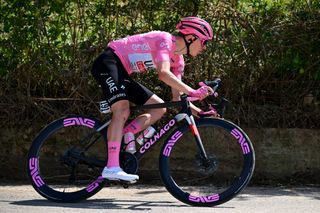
(66, 159)
(200, 181)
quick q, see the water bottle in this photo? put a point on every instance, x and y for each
(130, 142)
(145, 135)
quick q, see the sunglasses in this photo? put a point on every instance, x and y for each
(204, 42)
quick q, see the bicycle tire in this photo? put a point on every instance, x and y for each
(227, 146)
(47, 148)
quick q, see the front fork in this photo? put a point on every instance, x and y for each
(194, 129)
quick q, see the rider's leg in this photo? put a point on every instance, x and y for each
(107, 69)
(112, 171)
(148, 118)
(120, 113)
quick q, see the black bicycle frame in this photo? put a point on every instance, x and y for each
(185, 113)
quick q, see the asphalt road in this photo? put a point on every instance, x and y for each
(23, 198)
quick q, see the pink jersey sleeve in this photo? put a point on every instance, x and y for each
(177, 65)
(166, 47)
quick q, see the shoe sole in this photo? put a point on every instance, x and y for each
(120, 180)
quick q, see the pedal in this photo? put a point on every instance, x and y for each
(124, 183)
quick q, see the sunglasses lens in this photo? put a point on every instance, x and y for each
(204, 43)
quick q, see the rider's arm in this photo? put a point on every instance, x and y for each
(175, 83)
(176, 93)
(170, 79)
(176, 97)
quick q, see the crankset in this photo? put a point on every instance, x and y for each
(129, 162)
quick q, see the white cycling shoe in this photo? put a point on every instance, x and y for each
(116, 173)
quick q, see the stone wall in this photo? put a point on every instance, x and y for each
(288, 156)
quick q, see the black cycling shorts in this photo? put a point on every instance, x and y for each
(115, 82)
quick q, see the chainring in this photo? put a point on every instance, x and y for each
(129, 162)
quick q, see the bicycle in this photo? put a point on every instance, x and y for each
(199, 171)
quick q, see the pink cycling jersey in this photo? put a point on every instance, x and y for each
(140, 53)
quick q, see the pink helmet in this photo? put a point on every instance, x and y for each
(196, 26)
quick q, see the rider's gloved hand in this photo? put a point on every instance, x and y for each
(211, 113)
(202, 92)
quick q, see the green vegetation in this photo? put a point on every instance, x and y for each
(267, 53)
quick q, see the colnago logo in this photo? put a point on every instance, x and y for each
(157, 136)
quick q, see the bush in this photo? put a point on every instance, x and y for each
(267, 54)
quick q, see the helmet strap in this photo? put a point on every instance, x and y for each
(187, 44)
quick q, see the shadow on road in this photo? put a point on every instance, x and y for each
(310, 192)
(104, 204)
(147, 203)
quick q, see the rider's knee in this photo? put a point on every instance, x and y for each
(120, 111)
(158, 113)
(121, 114)
(162, 111)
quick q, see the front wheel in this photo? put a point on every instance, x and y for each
(211, 179)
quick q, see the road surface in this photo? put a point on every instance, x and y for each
(23, 198)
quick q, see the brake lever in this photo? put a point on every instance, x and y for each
(213, 84)
(213, 93)
(222, 106)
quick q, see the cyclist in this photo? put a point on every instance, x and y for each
(156, 50)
